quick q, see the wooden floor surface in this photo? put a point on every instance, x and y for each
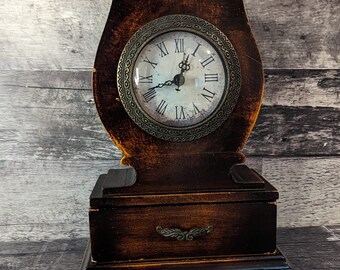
(306, 248)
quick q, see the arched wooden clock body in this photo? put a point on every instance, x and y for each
(139, 147)
(178, 85)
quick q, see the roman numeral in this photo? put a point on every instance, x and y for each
(208, 95)
(147, 79)
(149, 95)
(180, 114)
(194, 53)
(153, 64)
(211, 77)
(207, 61)
(161, 107)
(196, 110)
(163, 49)
(179, 45)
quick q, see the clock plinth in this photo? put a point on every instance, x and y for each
(178, 85)
(234, 226)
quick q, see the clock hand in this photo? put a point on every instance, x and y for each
(179, 78)
(184, 65)
(160, 85)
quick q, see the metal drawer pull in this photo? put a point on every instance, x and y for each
(180, 235)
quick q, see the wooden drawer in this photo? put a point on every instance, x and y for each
(129, 233)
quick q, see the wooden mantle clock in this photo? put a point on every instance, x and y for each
(178, 85)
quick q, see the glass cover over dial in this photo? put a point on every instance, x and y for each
(179, 79)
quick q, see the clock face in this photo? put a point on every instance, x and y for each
(179, 78)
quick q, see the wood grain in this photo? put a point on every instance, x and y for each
(49, 35)
(53, 147)
(51, 114)
(63, 132)
(308, 188)
(290, 131)
(296, 33)
(48, 199)
(67, 253)
(301, 87)
(44, 200)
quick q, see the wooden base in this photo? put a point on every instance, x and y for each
(232, 227)
(258, 262)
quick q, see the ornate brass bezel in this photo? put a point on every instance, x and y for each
(179, 23)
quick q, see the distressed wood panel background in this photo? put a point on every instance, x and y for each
(64, 34)
(53, 146)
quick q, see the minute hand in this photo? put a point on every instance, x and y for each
(160, 85)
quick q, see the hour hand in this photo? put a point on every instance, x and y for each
(184, 65)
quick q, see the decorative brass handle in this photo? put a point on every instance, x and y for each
(180, 235)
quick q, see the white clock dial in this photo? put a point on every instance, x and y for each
(179, 79)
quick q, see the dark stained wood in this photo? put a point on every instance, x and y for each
(130, 233)
(243, 223)
(210, 190)
(230, 18)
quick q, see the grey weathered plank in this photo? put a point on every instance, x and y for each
(309, 189)
(290, 131)
(317, 234)
(48, 34)
(301, 87)
(297, 87)
(310, 247)
(44, 200)
(48, 199)
(58, 254)
(52, 115)
(296, 33)
(65, 133)
(50, 79)
(64, 34)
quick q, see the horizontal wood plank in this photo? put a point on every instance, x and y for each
(296, 34)
(66, 253)
(58, 254)
(44, 199)
(64, 133)
(308, 189)
(52, 115)
(293, 131)
(301, 87)
(48, 199)
(50, 35)
(287, 87)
